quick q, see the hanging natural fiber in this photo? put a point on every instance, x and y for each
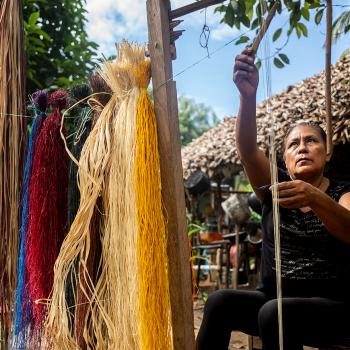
(12, 137)
(47, 219)
(93, 167)
(129, 302)
(23, 308)
(156, 330)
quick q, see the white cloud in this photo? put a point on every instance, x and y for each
(224, 32)
(110, 21)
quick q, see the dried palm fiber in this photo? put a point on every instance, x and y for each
(83, 124)
(106, 168)
(22, 305)
(156, 330)
(102, 94)
(47, 219)
(12, 142)
(93, 169)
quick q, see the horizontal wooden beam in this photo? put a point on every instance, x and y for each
(198, 5)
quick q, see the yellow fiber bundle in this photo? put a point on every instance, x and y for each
(152, 236)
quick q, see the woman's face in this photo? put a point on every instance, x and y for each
(304, 153)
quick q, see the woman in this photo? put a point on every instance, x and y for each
(315, 241)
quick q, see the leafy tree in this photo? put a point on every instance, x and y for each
(195, 119)
(58, 51)
(249, 13)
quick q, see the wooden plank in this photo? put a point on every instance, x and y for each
(198, 5)
(165, 101)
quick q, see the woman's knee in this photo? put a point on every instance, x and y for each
(268, 315)
(216, 302)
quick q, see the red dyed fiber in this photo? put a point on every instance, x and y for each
(47, 219)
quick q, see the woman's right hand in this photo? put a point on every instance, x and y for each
(245, 73)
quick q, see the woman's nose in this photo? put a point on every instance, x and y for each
(302, 147)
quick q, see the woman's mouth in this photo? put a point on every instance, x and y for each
(302, 160)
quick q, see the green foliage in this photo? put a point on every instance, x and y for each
(195, 119)
(250, 14)
(341, 25)
(58, 51)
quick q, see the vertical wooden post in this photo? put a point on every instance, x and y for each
(328, 84)
(165, 101)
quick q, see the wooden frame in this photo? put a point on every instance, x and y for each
(165, 102)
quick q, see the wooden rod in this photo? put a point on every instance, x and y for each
(173, 193)
(328, 88)
(265, 27)
(198, 5)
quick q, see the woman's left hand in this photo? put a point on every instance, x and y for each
(296, 194)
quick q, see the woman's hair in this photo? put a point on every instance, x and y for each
(310, 124)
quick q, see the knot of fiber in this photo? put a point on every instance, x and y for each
(59, 99)
(41, 100)
(142, 73)
(80, 92)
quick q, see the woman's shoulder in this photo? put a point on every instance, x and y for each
(337, 188)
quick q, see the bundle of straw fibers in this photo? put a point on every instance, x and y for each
(93, 169)
(12, 137)
(129, 305)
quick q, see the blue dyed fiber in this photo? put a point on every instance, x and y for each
(22, 316)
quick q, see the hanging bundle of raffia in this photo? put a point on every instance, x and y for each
(23, 307)
(12, 131)
(152, 234)
(47, 215)
(129, 305)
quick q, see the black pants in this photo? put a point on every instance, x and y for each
(306, 321)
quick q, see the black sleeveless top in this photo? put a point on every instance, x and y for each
(313, 262)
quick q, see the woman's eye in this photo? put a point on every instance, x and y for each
(292, 144)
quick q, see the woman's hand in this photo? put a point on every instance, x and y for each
(296, 194)
(245, 73)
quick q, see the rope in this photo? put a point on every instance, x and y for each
(273, 164)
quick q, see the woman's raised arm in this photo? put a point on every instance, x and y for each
(256, 165)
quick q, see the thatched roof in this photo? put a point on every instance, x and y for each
(216, 147)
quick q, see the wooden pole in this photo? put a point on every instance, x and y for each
(328, 81)
(198, 5)
(165, 103)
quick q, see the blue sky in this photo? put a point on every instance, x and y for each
(210, 81)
